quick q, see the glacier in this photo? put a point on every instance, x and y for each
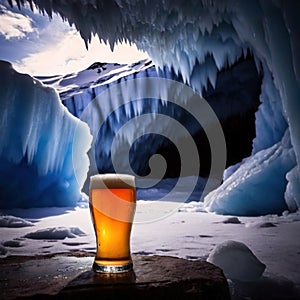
(196, 41)
(39, 161)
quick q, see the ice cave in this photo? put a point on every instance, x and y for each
(242, 57)
(208, 124)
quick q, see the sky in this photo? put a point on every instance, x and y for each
(36, 45)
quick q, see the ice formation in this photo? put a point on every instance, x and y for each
(14, 222)
(40, 164)
(3, 251)
(55, 233)
(98, 95)
(237, 261)
(251, 189)
(199, 39)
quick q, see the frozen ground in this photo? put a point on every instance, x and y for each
(164, 228)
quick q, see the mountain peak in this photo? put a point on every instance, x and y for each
(96, 65)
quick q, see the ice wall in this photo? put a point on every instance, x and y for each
(199, 38)
(40, 165)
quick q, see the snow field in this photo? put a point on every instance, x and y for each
(191, 235)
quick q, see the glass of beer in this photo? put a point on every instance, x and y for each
(112, 205)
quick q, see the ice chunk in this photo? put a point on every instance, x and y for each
(260, 224)
(237, 261)
(14, 222)
(232, 220)
(292, 193)
(258, 186)
(40, 163)
(13, 244)
(55, 233)
(3, 251)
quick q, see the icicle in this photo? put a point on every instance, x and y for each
(212, 73)
(19, 3)
(257, 64)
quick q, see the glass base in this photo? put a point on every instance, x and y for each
(99, 268)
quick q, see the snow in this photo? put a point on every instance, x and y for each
(41, 163)
(237, 261)
(54, 233)
(97, 73)
(190, 235)
(14, 222)
(13, 244)
(232, 220)
(3, 251)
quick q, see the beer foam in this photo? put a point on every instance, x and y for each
(103, 181)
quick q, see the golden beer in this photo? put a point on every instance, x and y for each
(112, 205)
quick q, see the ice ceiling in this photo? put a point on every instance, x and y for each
(184, 35)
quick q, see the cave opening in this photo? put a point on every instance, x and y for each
(236, 86)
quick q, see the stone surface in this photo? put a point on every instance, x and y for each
(67, 276)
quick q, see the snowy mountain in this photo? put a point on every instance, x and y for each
(99, 73)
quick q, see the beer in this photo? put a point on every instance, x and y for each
(112, 205)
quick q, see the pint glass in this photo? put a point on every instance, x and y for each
(112, 205)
